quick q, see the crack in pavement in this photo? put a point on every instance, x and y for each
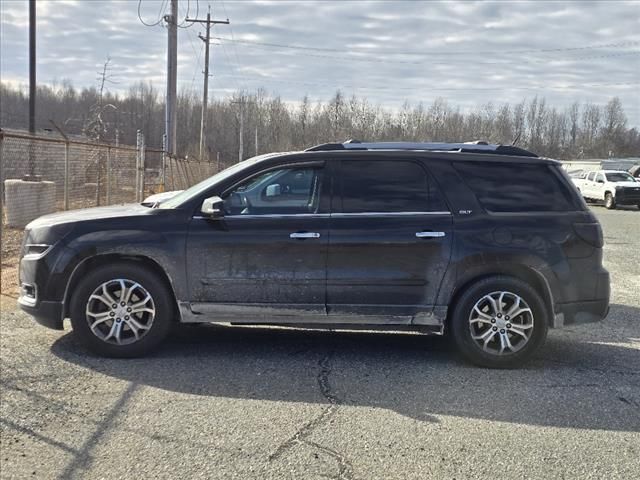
(345, 469)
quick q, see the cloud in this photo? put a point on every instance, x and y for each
(466, 52)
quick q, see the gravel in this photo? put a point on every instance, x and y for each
(263, 403)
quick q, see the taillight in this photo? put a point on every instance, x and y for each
(590, 233)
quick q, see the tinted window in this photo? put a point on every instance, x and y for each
(513, 187)
(600, 178)
(591, 175)
(620, 177)
(284, 191)
(387, 186)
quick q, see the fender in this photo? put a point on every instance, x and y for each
(474, 267)
(162, 253)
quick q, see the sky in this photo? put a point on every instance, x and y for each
(466, 52)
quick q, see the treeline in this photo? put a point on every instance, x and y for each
(583, 130)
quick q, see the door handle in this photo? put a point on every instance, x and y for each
(304, 235)
(430, 234)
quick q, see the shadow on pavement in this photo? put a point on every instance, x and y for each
(571, 383)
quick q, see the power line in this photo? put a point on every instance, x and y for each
(235, 50)
(162, 7)
(453, 89)
(181, 25)
(232, 70)
(506, 62)
(424, 53)
(198, 55)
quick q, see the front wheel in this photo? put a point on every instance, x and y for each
(499, 322)
(609, 201)
(121, 310)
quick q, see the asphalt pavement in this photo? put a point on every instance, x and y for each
(263, 403)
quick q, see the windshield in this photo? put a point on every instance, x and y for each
(204, 185)
(619, 177)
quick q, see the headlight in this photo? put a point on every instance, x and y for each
(34, 251)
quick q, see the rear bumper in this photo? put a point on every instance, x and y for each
(581, 312)
(586, 311)
(47, 314)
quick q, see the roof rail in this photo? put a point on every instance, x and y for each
(467, 147)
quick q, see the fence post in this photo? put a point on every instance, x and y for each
(163, 166)
(172, 174)
(137, 189)
(187, 172)
(142, 166)
(2, 169)
(67, 172)
(108, 175)
(98, 176)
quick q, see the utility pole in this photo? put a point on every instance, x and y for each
(241, 139)
(205, 92)
(172, 70)
(32, 84)
(240, 104)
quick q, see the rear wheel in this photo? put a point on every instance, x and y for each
(609, 201)
(499, 322)
(121, 310)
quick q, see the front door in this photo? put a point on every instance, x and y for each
(390, 243)
(267, 256)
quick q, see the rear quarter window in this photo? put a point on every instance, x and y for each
(516, 187)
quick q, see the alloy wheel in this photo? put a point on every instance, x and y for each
(501, 323)
(120, 311)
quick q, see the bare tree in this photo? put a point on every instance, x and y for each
(580, 130)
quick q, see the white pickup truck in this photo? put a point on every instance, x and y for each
(613, 187)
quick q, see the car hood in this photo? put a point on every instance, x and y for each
(627, 184)
(73, 216)
(160, 197)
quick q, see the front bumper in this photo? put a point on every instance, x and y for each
(48, 314)
(628, 196)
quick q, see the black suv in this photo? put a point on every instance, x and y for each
(490, 243)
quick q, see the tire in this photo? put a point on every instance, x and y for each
(609, 201)
(466, 322)
(127, 339)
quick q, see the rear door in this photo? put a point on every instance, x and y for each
(390, 241)
(589, 185)
(599, 186)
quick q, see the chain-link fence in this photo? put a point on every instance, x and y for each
(69, 173)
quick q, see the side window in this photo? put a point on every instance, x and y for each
(600, 178)
(387, 186)
(590, 176)
(516, 187)
(287, 191)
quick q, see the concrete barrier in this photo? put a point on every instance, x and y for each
(26, 201)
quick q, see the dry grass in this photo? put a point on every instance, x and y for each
(9, 255)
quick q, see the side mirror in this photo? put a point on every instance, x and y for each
(273, 190)
(213, 207)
